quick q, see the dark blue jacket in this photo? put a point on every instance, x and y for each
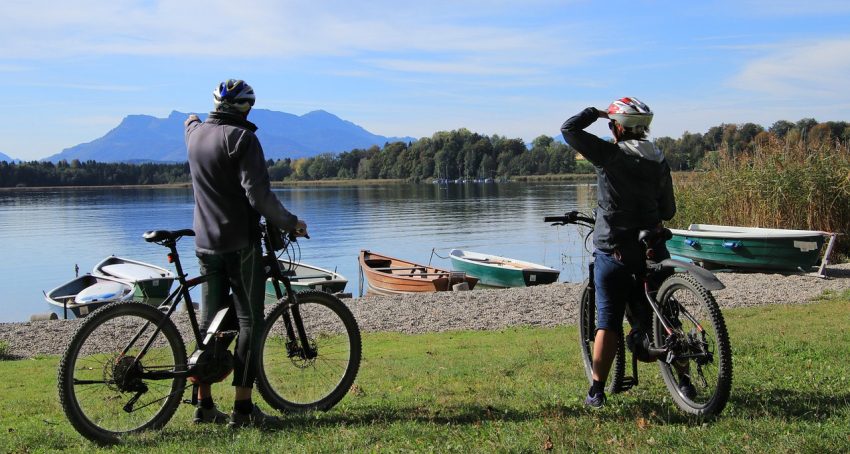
(635, 190)
(231, 184)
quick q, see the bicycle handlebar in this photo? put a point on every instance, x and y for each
(572, 217)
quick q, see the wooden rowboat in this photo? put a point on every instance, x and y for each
(388, 275)
(748, 247)
(495, 271)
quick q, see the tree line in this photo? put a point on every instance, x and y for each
(446, 154)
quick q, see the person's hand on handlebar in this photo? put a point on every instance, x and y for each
(301, 229)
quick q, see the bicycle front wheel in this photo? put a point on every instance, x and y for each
(700, 377)
(587, 338)
(105, 385)
(296, 378)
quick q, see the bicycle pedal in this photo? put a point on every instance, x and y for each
(226, 333)
(628, 383)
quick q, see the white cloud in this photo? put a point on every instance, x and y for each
(42, 29)
(818, 69)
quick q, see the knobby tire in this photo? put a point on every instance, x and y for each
(91, 389)
(290, 382)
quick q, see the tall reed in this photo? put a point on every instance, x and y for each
(790, 185)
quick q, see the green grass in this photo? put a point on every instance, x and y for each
(517, 390)
(4, 349)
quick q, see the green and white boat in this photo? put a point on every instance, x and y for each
(719, 246)
(495, 271)
(308, 277)
(148, 281)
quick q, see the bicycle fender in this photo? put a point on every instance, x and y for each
(705, 277)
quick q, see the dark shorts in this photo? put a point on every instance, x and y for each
(615, 286)
(617, 289)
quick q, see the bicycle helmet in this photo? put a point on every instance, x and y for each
(236, 93)
(630, 112)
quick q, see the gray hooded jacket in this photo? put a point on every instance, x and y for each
(635, 189)
(231, 184)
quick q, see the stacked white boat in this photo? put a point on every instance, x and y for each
(113, 279)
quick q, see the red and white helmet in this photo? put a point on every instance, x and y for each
(630, 112)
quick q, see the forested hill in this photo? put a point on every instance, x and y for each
(447, 155)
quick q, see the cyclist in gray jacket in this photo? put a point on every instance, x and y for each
(635, 192)
(232, 190)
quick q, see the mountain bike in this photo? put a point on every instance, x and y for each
(689, 338)
(126, 368)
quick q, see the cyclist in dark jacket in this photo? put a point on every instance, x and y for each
(635, 192)
(232, 190)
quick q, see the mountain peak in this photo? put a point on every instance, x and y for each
(283, 135)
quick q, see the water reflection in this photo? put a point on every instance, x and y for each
(45, 233)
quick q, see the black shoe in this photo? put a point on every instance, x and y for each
(254, 419)
(595, 401)
(212, 415)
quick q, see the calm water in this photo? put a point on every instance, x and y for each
(45, 233)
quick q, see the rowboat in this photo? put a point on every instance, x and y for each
(388, 275)
(749, 247)
(495, 271)
(307, 277)
(84, 294)
(149, 281)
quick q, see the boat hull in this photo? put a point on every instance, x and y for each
(85, 294)
(306, 277)
(149, 281)
(388, 275)
(495, 271)
(748, 248)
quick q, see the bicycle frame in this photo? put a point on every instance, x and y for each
(181, 293)
(703, 276)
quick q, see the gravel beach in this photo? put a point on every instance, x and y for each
(548, 305)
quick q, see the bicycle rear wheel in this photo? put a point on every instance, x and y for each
(103, 391)
(703, 351)
(290, 377)
(587, 336)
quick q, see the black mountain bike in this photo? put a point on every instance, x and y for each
(126, 368)
(689, 337)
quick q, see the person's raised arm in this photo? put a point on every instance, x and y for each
(594, 149)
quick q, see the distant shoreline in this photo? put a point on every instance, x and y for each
(279, 184)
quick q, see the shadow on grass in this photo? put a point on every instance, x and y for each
(800, 405)
(797, 405)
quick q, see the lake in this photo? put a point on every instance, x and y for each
(45, 233)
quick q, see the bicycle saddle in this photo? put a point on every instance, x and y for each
(155, 236)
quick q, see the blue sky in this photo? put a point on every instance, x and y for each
(73, 70)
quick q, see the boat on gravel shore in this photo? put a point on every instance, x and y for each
(720, 246)
(308, 277)
(389, 275)
(149, 281)
(85, 294)
(496, 271)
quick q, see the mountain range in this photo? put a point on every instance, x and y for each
(144, 138)
(7, 158)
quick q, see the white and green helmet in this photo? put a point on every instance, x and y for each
(630, 112)
(236, 93)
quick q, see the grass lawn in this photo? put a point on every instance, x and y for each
(514, 390)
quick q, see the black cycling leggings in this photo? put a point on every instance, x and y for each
(239, 272)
